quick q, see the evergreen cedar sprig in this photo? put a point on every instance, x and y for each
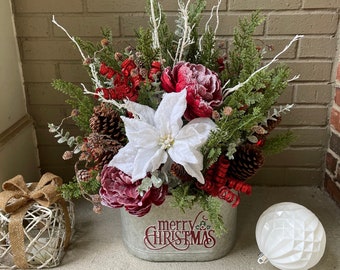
(184, 198)
(208, 55)
(244, 58)
(144, 46)
(100, 50)
(276, 144)
(76, 189)
(78, 101)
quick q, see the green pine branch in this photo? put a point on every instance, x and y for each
(144, 46)
(103, 53)
(276, 144)
(226, 137)
(212, 206)
(195, 16)
(251, 102)
(244, 57)
(75, 189)
(186, 195)
(82, 103)
(208, 55)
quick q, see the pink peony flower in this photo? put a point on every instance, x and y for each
(117, 191)
(203, 87)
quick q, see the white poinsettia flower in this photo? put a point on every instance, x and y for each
(156, 137)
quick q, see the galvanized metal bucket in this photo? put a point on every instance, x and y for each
(167, 234)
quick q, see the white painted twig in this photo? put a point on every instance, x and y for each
(126, 104)
(217, 16)
(94, 73)
(239, 85)
(294, 78)
(70, 37)
(206, 28)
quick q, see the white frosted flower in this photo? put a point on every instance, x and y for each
(156, 137)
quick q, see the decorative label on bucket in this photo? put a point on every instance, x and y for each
(166, 234)
(180, 234)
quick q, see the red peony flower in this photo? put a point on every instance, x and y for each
(117, 191)
(203, 87)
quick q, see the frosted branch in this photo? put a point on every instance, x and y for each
(155, 23)
(101, 97)
(95, 78)
(185, 27)
(239, 85)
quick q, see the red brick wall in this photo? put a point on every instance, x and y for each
(332, 176)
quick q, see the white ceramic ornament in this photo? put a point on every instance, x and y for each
(290, 237)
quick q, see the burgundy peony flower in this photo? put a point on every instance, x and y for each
(117, 191)
(203, 88)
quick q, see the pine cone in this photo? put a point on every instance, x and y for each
(104, 159)
(101, 149)
(178, 171)
(106, 121)
(247, 160)
(271, 124)
(83, 175)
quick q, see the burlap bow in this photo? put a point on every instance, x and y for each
(16, 198)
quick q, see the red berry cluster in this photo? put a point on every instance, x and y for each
(126, 83)
(155, 70)
(217, 183)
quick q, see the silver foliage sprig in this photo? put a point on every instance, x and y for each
(280, 110)
(71, 141)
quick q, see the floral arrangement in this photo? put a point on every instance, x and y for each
(176, 114)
